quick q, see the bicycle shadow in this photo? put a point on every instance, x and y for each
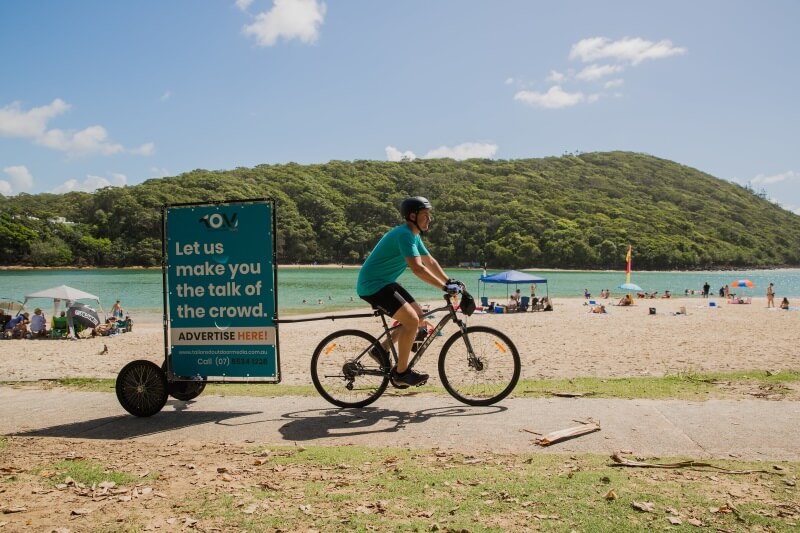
(316, 424)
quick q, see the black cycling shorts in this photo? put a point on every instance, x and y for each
(389, 299)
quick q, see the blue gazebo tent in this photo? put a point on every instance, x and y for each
(512, 277)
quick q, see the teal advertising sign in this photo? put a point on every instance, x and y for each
(220, 290)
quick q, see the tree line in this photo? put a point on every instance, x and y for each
(574, 211)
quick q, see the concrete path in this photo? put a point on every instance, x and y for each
(746, 429)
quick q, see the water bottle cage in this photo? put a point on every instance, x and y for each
(422, 333)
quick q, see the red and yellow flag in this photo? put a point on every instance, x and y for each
(628, 266)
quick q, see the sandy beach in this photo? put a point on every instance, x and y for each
(568, 342)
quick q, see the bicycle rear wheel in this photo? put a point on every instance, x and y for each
(486, 378)
(341, 377)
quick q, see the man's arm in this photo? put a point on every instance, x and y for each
(428, 270)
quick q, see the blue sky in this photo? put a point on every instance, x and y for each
(97, 93)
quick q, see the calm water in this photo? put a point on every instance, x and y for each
(141, 290)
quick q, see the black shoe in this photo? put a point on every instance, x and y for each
(379, 355)
(409, 378)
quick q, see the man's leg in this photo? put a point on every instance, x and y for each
(408, 316)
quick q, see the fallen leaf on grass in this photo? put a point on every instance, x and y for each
(724, 509)
(79, 512)
(645, 507)
(674, 520)
(16, 509)
(695, 522)
(611, 495)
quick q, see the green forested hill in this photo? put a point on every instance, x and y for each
(574, 211)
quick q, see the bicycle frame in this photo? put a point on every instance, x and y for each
(450, 316)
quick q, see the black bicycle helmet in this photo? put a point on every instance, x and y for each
(413, 204)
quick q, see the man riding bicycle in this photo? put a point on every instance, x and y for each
(401, 248)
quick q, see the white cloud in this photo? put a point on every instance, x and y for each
(762, 179)
(166, 96)
(243, 4)
(595, 72)
(29, 124)
(556, 77)
(92, 140)
(610, 84)
(90, 184)
(32, 124)
(458, 152)
(464, 151)
(393, 154)
(19, 180)
(119, 180)
(632, 50)
(288, 19)
(146, 149)
(156, 172)
(554, 98)
(509, 81)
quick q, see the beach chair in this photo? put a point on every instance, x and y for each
(123, 326)
(59, 327)
(484, 301)
(523, 303)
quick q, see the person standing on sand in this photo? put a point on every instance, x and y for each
(770, 296)
(117, 310)
(706, 288)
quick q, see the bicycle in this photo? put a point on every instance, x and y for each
(478, 365)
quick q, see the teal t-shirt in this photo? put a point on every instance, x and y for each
(388, 259)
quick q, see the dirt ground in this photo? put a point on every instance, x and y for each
(178, 486)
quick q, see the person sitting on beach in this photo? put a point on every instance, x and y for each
(105, 329)
(667, 294)
(513, 303)
(17, 327)
(626, 300)
(38, 327)
(599, 309)
(785, 303)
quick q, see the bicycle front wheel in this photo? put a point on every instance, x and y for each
(485, 376)
(344, 373)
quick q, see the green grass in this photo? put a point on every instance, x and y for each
(361, 489)
(683, 386)
(87, 473)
